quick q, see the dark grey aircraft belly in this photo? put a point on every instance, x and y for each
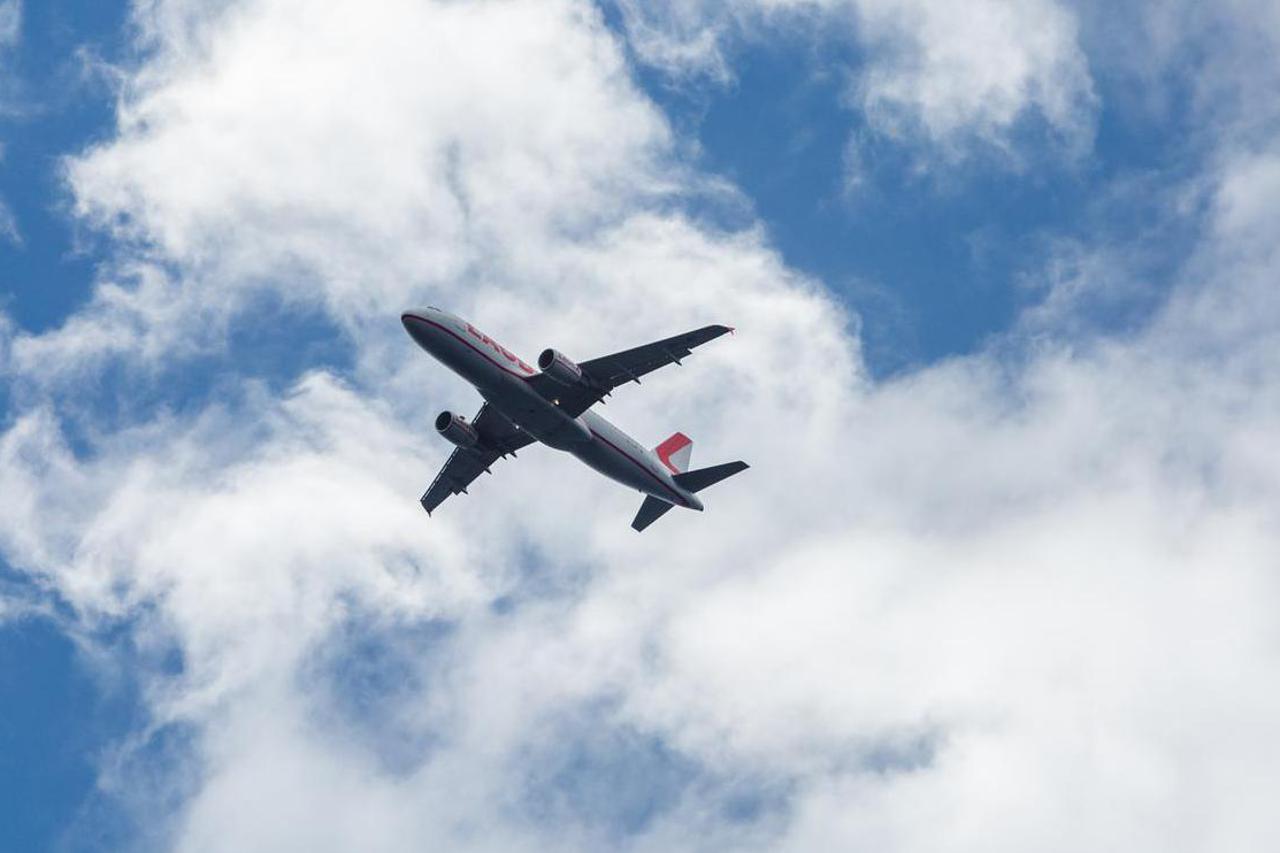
(589, 437)
(617, 456)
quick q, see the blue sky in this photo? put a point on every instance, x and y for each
(1010, 288)
(62, 105)
(58, 716)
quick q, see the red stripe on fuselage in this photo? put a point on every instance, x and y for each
(645, 468)
(679, 500)
(477, 349)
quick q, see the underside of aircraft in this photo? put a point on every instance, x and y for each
(552, 405)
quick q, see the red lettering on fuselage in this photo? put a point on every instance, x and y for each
(498, 348)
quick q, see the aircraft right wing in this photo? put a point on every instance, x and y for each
(498, 437)
(602, 375)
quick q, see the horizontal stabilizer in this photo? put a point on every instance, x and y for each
(650, 511)
(696, 481)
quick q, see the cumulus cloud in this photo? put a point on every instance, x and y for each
(1018, 599)
(451, 145)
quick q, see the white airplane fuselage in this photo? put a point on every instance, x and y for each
(503, 380)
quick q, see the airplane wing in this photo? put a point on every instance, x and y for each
(498, 437)
(604, 374)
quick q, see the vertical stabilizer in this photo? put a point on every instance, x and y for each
(675, 452)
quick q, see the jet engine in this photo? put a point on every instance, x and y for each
(456, 429)
(559, 367)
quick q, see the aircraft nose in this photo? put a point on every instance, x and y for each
(694, 503)
(414, 319)
(417, 322)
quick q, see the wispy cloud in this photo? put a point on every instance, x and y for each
(10, 22)
(9, 225)
(951, 78)
(10, 34)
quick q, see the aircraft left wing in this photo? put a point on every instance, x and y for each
(602, 375)
(498, 437)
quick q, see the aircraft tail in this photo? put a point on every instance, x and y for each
(650, 511)
(697, 480)
(675, 452)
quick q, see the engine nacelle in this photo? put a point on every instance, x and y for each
(456, 429)
(559, 367)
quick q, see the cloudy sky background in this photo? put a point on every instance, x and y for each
(1003, 575)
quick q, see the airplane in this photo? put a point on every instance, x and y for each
(552, 405)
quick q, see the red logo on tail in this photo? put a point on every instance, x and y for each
(674, 452)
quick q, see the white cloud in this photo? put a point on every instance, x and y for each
(10, 22)
(466, 135)
(946, 75)
(9, 224)
(976, 69)
(1004, 602)
(10, 34)
(1171, 56)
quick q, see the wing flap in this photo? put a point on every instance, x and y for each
(629, 365)
(458, 473)
(602, 375)
(499, 437)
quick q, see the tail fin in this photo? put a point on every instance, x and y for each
(650, 511)
(675, 452)
(696, 481)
